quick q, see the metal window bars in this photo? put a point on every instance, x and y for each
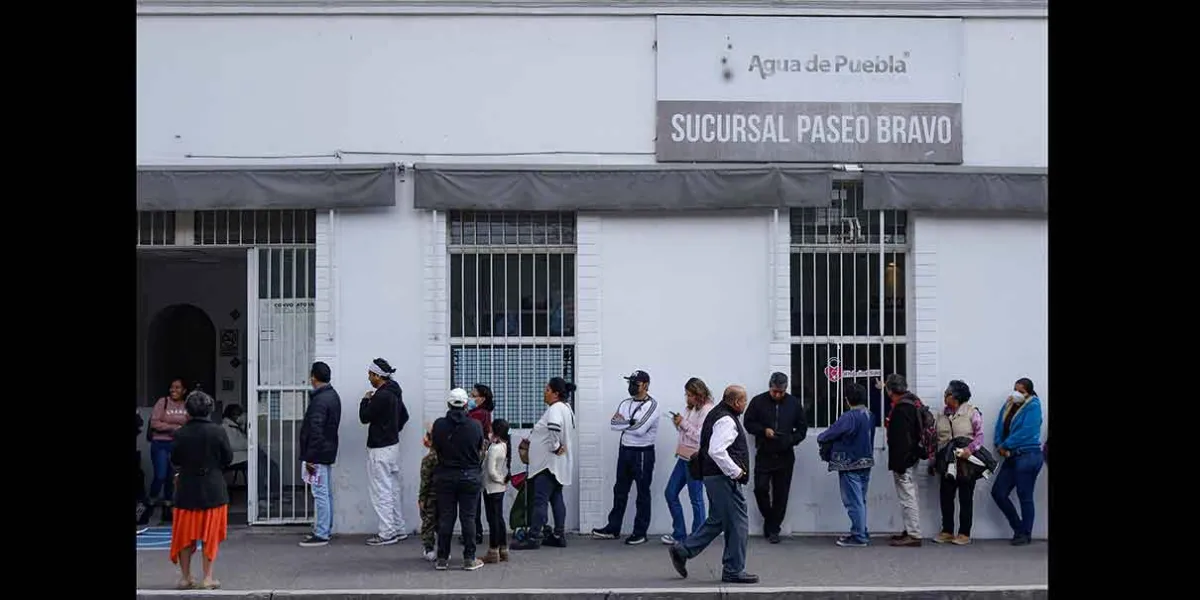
(512, 305)
(227, 228)
(849, 320)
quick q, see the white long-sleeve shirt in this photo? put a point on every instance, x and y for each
(495, 468)
(644, 417)
(724, 433)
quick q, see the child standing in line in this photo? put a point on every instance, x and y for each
(427, 500)
(497, 469)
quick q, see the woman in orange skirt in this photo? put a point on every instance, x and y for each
(200, 454)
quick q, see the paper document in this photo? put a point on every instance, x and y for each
(313, 478)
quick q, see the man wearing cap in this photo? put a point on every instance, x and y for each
(458, 441)
(637, 420)
(776, 420)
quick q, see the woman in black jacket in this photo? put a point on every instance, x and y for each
(201, 453)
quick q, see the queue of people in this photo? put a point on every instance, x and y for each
(468, 465)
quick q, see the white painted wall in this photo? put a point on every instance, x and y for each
(682, 296)
(982, 291)
(577, 89)
(378, 313)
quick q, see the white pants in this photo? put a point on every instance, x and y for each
(906, 490)
(384, 477)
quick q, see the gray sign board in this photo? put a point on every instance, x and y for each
(820, 132)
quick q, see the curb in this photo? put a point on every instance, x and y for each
(1017, 592)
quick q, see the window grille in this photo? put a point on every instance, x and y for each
(512, 306)
(254, 227)
(848, 304)
(156, 228)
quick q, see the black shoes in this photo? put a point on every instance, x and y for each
(555, 541)
(773, 538)
(635, 540)
(742, 577)
(1021, 540)
(527, 544)
(678, 561)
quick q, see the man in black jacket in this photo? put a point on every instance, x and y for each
(382, 411)
(458, 441)
(904, 451)
(318, 449)
(776, 420)
(722, 461)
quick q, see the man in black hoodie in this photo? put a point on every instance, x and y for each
(776, 420)
(458, 441)
(904, 451)
(382, 410)
(318, 443)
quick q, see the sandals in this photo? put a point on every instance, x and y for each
(209, 585)
(185, 584)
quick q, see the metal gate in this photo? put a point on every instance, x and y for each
(849, 322)
(280, 340)
(281, 282)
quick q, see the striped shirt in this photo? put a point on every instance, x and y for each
(637, 420)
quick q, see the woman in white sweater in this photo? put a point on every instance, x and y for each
(496, 468)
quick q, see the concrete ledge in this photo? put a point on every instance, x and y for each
(1027, 592)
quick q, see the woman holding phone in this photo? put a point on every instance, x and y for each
(699, 402)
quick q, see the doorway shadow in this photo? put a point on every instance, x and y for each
(181, 342)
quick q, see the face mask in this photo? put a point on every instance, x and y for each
(241, 421)
(633, 388)
(1017, 397)
(471, 404)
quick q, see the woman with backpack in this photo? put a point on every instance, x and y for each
(170, 413)
(906, 440)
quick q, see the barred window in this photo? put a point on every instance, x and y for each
(849, 321)
(512, 306)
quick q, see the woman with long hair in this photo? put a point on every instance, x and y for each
(497, 469)
(699, 403)
(201, 454)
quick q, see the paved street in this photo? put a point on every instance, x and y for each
(269, 559)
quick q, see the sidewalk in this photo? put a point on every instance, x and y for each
(268, 562)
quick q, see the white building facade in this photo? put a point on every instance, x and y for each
(501, 193)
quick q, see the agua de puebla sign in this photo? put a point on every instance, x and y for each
(824, 90)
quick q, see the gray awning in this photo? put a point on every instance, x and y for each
(648, 187)
(265, 187)
(965, 189)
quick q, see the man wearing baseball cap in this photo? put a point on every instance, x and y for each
(457, 439)
(637, 420)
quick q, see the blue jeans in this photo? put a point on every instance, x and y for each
(547, 495)
(1020, 471)
(727, 514)
(633, 465)
(854, 497)
(323, 503)
(680, 478)
(160, 458)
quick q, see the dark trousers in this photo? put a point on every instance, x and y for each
(497, 534)
(634, 465)
(547, 495)
(772, 483)
(726, 514)
(1020, 472)
(457, 498)
(965, 490)
(480, 511)
(160, 458)
(141, 477)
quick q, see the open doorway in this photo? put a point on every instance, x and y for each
(192, 324)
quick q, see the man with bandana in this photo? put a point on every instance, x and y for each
(382, 410)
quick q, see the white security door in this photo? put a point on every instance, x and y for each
(281, 284)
